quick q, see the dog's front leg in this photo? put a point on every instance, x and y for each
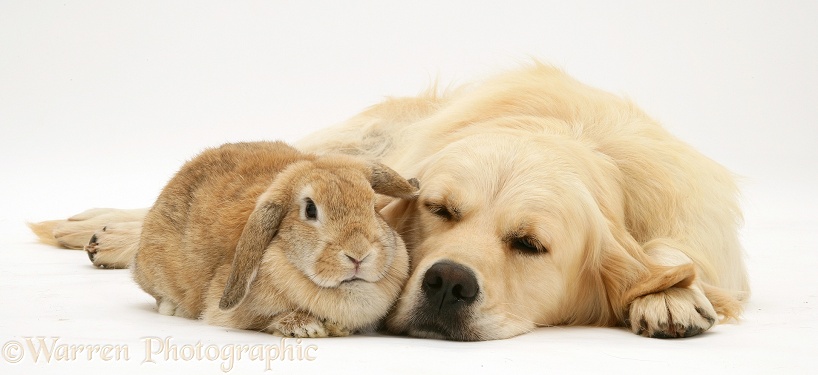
(678, 311)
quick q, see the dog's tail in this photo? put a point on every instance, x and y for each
(67, 234)
(45, 231)
(76, 231)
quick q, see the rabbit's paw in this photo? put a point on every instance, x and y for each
(336, 330)
(302, 324)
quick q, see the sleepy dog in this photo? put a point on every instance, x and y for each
(545, 202)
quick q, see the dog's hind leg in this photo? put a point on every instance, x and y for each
(115, 245)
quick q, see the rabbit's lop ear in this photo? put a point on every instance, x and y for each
(261, 227)
(388, 182)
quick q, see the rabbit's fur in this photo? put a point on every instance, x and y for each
(261, 236)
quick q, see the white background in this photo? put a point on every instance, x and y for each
(101, 101)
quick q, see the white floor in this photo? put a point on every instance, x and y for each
(101, 101)
(57, 294)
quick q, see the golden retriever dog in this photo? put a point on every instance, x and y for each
(543, 202)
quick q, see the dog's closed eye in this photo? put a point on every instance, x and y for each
(527, 245)
(442, 211)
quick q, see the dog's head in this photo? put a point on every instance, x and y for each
(511, 232)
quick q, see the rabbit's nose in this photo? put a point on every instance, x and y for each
(449, 286)
(355, 261)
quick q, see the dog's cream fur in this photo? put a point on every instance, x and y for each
(621, 223)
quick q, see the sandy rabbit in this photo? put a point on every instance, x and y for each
(261, 236)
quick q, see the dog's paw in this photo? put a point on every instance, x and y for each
(302, 324)
(672, 313)
(114, 245)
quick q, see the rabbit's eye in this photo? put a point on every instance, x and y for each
(310, 211)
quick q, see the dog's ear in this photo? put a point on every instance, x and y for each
(726, 303)
(386, 181)
(261, 227)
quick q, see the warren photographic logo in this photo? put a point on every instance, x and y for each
(156, 350)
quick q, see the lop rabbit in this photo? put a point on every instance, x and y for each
(261, 236)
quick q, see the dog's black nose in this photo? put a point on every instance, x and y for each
(450, 286)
